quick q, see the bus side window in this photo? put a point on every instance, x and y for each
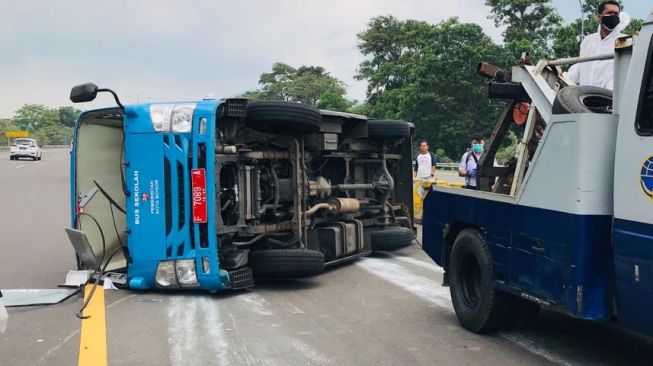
(644, 122)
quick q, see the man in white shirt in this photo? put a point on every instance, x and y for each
(425, 162)
(600, 73)
(425, 165)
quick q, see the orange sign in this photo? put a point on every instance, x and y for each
(16, 134)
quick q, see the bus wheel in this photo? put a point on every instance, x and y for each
(480, 308)
(286, 263)
(392, 238)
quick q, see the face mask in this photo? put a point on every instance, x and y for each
(477, 148)
(610, 21)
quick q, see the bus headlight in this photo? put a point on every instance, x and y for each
(172, 117)
(186, 273)
(165, 274)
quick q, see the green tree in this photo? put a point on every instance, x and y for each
(425, 74)
(34, 116)
(311, 85)
(49, 125)
(530, 25)
(68, 116)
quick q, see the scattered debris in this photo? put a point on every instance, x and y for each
(3, 316)
(77, 278)
(28, 297)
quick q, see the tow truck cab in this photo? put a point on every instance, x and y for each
(206, 194)
(568, 223)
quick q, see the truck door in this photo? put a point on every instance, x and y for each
(633, 190)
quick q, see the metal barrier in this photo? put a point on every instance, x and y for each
(443, 166)
(448, 166)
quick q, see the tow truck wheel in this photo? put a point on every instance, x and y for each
(389, 129)
(392, 238)
(582, 99)
(480, 308)
(282, 117)
(280, 263)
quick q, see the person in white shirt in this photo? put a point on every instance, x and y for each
(600, 73)
(425, 165)
(425, 162)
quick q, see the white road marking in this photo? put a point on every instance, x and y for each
(195, 328)
(430, 291)
(310, 352)
(256, 304)
(427, 289)
(214, 331)
(20, 166)
(531, 346)
(431, 266)
(294, 309)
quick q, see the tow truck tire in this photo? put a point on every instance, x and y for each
(282, 117)
(284, 263)
(480, 308)
(392, 238)
(389, 129)
(583, 99)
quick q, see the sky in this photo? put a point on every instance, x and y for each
(181, 50)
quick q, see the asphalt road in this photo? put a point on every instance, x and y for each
(383, 310)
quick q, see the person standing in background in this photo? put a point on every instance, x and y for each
(425, 162)
(469, 162)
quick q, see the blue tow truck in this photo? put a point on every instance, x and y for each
(568, 223)
(210, 193)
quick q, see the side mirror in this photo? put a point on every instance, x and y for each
(83, 93)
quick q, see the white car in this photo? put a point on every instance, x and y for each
(25, 148)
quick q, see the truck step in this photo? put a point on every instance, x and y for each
(241, 278)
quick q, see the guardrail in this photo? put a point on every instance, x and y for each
(447, 166)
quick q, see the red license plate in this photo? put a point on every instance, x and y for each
(198, 185)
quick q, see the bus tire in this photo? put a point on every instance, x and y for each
(286, 263)
(282, 117)
(480, 308)
(389, 129)
(392, 238)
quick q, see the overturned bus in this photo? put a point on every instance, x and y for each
(208, 194)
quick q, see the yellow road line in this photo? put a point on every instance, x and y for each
(93, 339)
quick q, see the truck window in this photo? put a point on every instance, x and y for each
(644, 124)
